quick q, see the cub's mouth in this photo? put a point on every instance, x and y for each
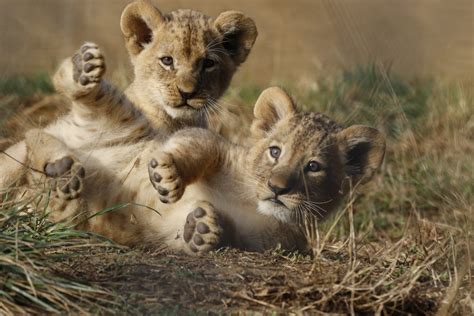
(191, 104)
(276, 201)
(186, 109)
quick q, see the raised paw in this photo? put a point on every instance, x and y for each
(67, 177)
(88, 66)
(165, 178)
(202, 230)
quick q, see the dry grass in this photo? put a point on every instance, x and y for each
(402, 245)
(29, 247)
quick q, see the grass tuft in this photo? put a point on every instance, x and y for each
(26, 86)
(29, 247)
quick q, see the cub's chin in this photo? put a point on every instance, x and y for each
(276, 209)
(185, 111)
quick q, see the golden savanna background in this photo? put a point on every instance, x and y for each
(402, 244)
(297, 39)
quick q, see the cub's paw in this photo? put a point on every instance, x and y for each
(202, 230)
(67, 177)
(88, 67)
(165, 178)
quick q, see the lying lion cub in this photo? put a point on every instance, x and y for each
(211, 193)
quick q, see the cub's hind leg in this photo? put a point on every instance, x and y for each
(52, 162)
(55, 172)
(203, 230)
(12, 166)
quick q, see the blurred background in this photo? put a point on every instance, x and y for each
(298, 39)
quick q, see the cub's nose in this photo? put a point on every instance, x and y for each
(186, 95)
(279, 186)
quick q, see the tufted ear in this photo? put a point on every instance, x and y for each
(364, 150)
(273, 105)
(139, 20)
(238, 34)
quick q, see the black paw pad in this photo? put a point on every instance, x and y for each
(202, 228)
(59, 167)
(198, 240)
(88, 68)
(157, 177)
(199, 212)
(162, 191)
(87, 56)
(83, 80)
(189, 227)
(64, 187)
(81, 172)
(75, 184)
(153, 163)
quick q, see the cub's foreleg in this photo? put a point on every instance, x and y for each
(80, 78)
(188, 156)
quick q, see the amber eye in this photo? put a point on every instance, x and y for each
(167, 60)
(208, 63)
(275, 151)
(313, 166)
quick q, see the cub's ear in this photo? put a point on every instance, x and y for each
(139, 20)
(238, 34)
(364, 149)
(273, 105)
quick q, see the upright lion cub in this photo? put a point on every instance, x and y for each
(183, 62)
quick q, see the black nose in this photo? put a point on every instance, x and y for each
(186, 95)
(278, 189)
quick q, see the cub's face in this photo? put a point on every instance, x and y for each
(184, 61)
(303, 162)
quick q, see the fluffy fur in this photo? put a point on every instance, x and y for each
(163, 96)
(207, 190)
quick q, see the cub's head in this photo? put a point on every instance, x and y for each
(305, 162)
(184, 60)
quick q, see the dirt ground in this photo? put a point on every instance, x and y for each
(298, 40)
(231, 281)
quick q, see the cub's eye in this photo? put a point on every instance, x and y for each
(208, 63)
(313, 166)
(167, 60)
(275, 151)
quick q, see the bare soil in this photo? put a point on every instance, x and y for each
(230, 281)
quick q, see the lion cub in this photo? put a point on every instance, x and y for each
(183, 62)
(208, 192)
(300, 163)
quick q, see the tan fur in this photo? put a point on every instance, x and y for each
(102, 117)
(198, 170)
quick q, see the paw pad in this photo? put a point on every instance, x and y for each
(88, 66)
(67, 177)
(165, 178)
(202, 231)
